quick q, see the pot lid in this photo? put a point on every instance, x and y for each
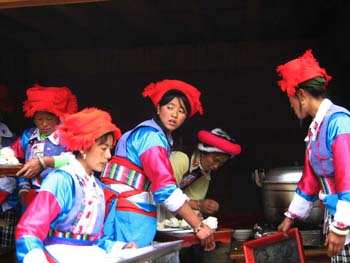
(288, 174)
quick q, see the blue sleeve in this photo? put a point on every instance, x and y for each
(51, 204)
(143, 139)
(57, 182)
(25, 138)
(339, 123)
(25, 182)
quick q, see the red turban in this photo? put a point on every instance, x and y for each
(299, 70)
(80, 130)
(156, 91)
(57, 100)
(217, 140)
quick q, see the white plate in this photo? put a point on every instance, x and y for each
(169, 229)
(183, 231)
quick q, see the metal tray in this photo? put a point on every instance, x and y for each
(151, 253)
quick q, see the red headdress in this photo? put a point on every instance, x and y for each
(156, 91)
(299, 70)
(217, 140)
(80, 130)
(57, 100)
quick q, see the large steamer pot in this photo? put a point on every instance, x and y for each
(278, 186)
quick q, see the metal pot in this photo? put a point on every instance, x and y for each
(278, 186)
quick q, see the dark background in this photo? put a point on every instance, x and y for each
(107, 52)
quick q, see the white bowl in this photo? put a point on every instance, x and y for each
(242, 235)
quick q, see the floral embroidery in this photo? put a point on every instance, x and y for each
(89, 208)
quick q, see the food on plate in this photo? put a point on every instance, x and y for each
(184, 224)
(173, 222)
(212, 222)
(9, 164)
(7, 157)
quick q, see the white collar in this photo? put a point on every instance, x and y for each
(195, 164)
(53, 137)
(316, 122)
(80, 170)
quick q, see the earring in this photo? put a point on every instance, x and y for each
(83, 154)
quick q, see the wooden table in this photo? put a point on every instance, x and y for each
(9, 170)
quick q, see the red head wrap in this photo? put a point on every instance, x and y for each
(80, 130)
(299, 70)
(57, 100)
(156, 91)
(217, 140)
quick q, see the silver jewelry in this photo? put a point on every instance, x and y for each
(338, 231)
(41, 161)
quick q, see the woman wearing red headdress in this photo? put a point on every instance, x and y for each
(193, 171)
(140, 174)
(326, 173)
(64, 223)
(47, 106)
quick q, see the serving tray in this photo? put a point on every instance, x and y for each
(9, 170)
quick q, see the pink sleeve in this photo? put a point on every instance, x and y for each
(309, 183)
(341, 157)
(38, 216)
(157, 167)
(17, 148)
(3, 196)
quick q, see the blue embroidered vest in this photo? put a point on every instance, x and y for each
(321, 160)
(66, 223)
(121, 146)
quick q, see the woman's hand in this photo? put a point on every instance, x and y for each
(208, 206)
(30, 169)
(203, 232)
(206, 236)
(130, 245)
(286, 224)
(335, 243)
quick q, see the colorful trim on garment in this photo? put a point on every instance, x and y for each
(70, 235)
(327, 184)
(125, 175)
